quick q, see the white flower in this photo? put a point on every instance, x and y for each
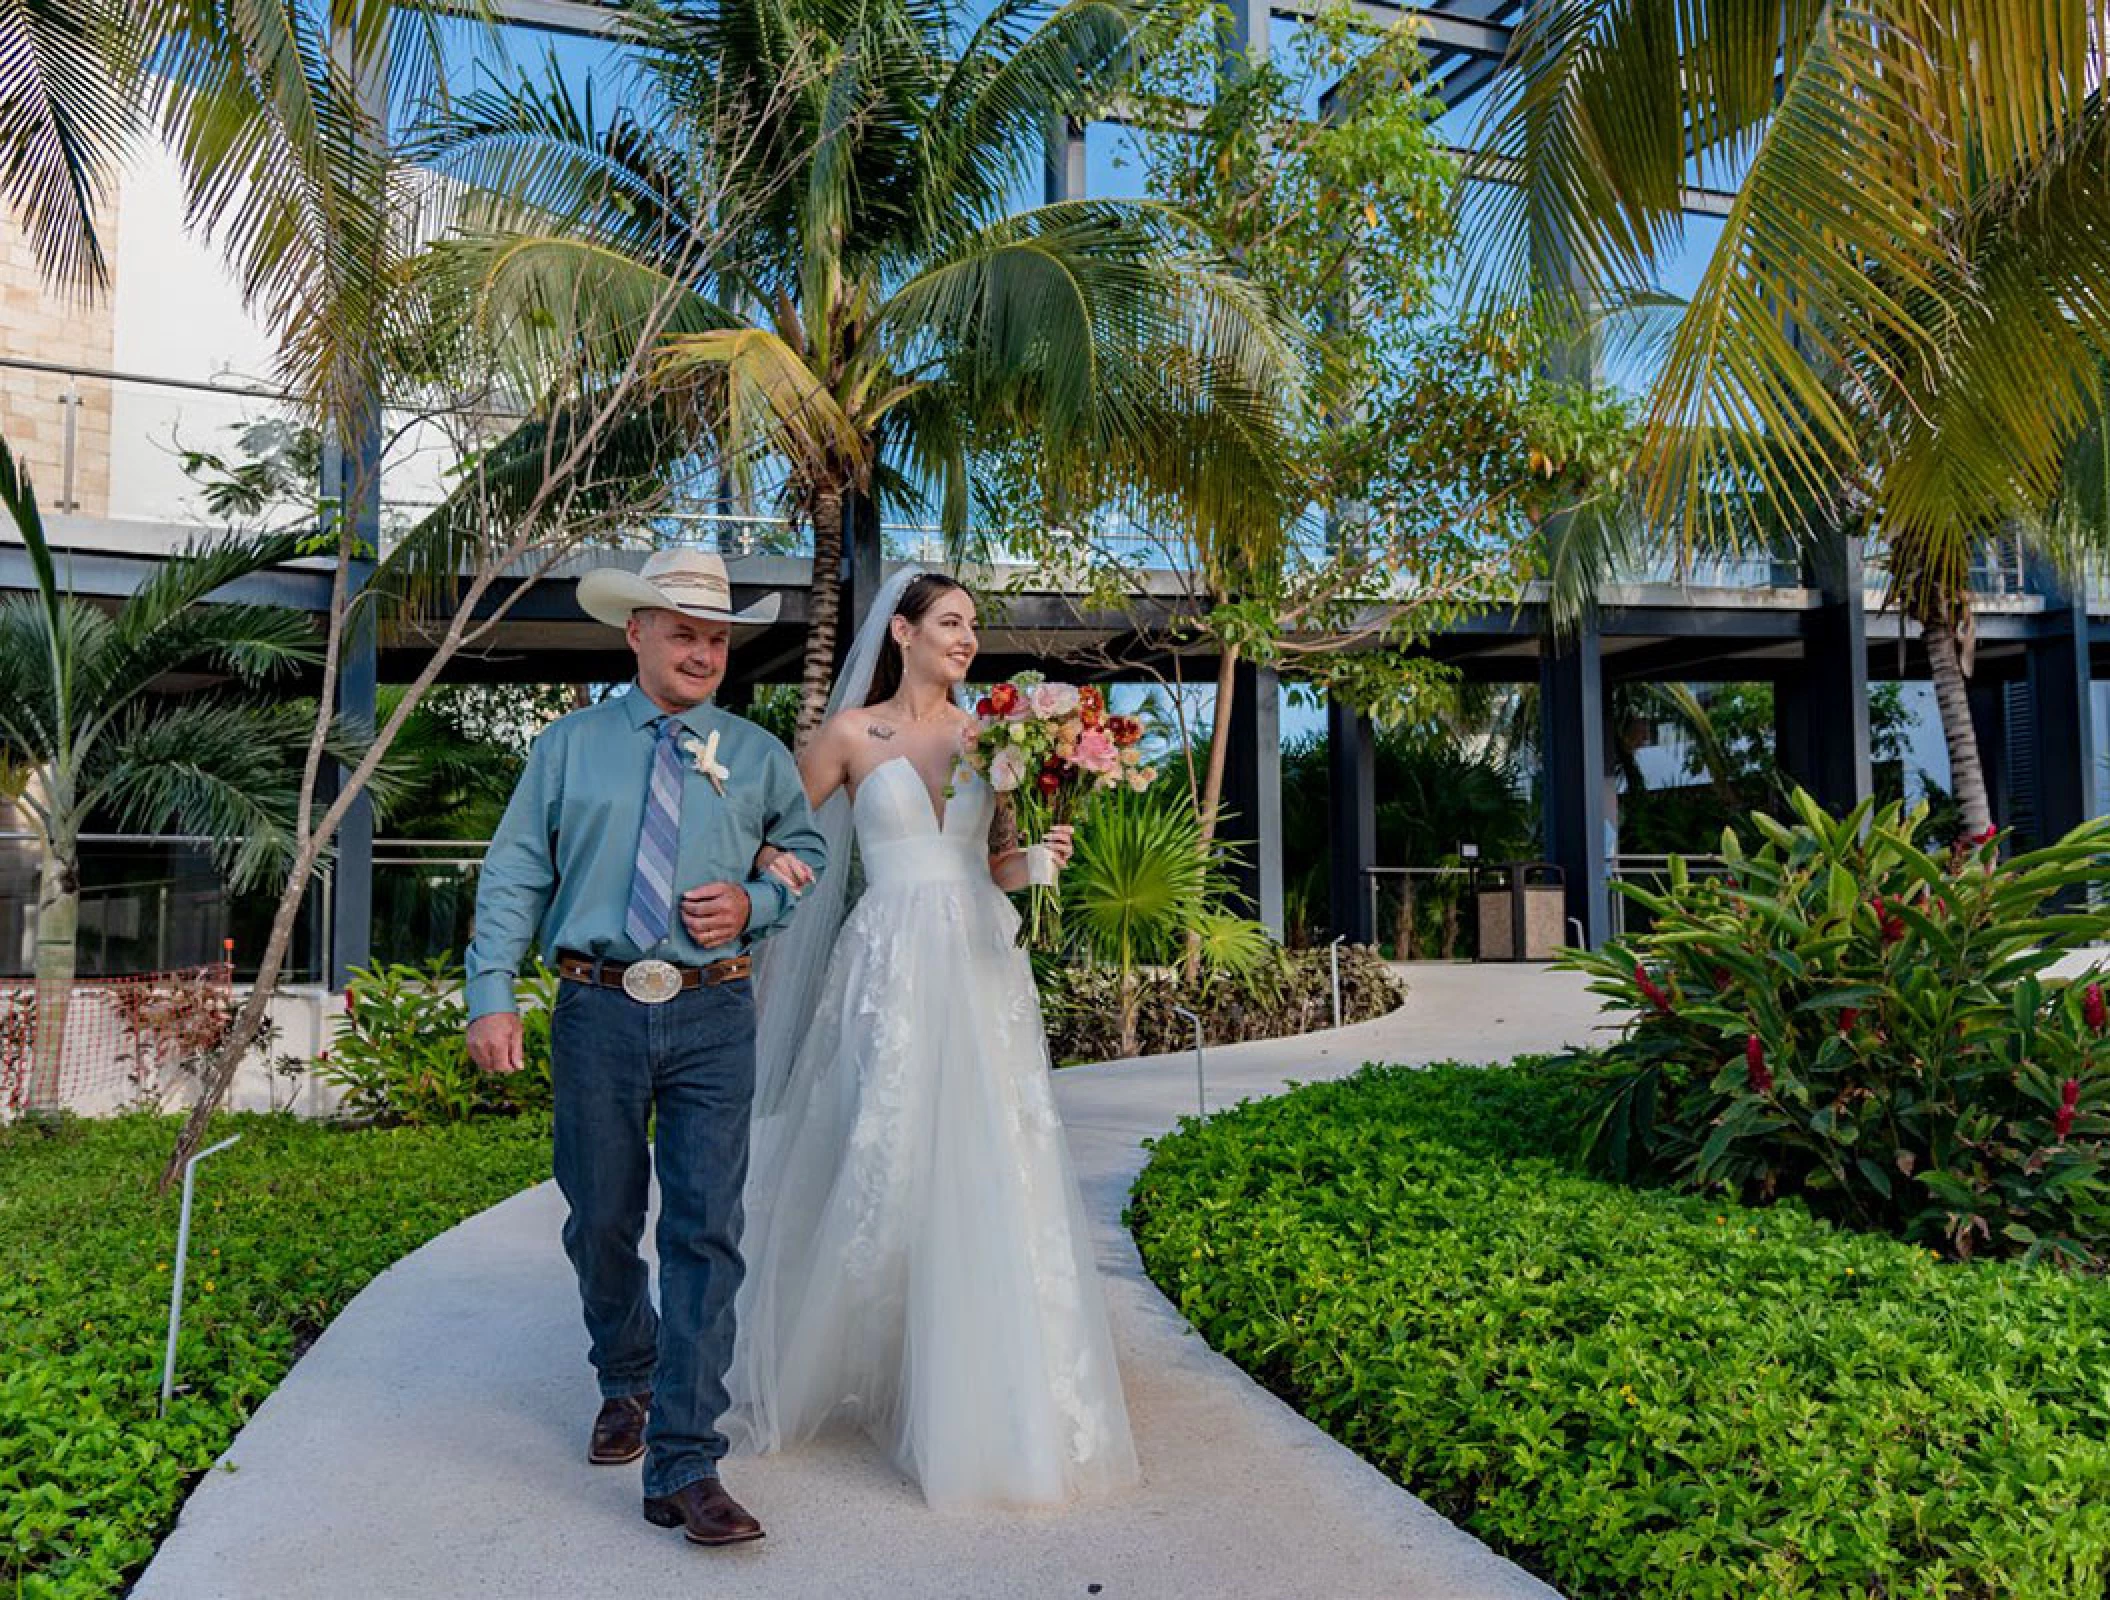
(704, 752)
(1008, 770)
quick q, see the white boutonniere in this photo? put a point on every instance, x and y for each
(704, 753)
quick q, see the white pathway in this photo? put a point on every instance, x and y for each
(432, 1443)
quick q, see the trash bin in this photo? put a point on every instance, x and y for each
(1522, 908)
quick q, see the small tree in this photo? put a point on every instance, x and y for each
(84, 733)
(1439, 447)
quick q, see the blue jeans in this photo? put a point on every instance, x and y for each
(686, 1070)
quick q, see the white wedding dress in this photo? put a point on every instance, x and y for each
(918, 1262)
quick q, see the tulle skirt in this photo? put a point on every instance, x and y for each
(918, 1257)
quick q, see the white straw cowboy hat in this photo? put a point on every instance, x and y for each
(692, 582)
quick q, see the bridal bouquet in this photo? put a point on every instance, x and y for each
(1053, 748)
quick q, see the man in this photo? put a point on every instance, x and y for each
(621, 804)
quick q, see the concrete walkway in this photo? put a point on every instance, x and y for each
(432, 1443)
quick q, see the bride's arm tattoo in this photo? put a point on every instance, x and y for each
(1003, 828)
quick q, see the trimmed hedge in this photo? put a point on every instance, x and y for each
(1636, 1393)
(1291, 994)
(288, 1226)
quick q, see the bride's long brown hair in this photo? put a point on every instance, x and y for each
(924, 591)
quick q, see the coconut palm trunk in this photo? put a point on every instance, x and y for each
(1951, 698)
(58, 920)
(826, 599)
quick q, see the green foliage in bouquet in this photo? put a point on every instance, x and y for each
(400, 1055)
(1850, 1017)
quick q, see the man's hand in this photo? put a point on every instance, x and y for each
(785, 867)
(715, 914)
(494, 1042)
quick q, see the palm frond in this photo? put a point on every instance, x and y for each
(68, 112)
(223, 770)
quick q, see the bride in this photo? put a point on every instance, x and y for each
(918, 1259)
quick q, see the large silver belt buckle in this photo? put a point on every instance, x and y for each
(652, 983)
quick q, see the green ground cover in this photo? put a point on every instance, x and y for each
(1634, 1392)
(289, 1224)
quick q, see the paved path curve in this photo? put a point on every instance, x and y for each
(431, 1444)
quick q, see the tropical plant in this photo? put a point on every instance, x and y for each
(400, 1054)
(84, 732)
(1899, 329)
(883, 317)
(1852, 1019)
(1141, 885)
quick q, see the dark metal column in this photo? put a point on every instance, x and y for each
(1572, 782)
(352, 479)
(1351, 764)
(863, 568)
(2061, 734)
(1820, 712)
(1253, 792)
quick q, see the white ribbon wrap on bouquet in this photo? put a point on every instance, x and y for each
(1041, 868)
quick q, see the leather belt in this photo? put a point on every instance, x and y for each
(669, 977)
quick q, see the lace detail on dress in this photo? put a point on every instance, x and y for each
(918, 1255)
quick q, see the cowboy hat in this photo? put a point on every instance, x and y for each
(692, 582)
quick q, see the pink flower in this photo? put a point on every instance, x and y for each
(1008, 770)
(1096, 752)
(1141, 778)
(1053, 700)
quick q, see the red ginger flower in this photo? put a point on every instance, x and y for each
(1650, 988)
(1756, 1073)
(2069, 1102)
(1848, 1016)
(2092, 1008)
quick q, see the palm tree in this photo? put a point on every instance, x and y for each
(884, 316)
(1899, 330)
(83, 733)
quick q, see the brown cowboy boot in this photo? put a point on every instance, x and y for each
(704, 1512)
(619, 1431)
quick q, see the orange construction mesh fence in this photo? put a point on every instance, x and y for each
(129, 1043)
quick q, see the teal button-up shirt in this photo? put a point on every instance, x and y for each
(559, 867)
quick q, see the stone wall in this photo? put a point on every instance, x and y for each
(65, 327)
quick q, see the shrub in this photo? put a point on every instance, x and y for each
(1288, 992)
(1852, 1018)
(289, 1225)
(400, 1054)
(1640, 1394)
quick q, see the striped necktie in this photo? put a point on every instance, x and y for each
(652, 881)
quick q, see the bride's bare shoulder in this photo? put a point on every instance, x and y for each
(845, 727)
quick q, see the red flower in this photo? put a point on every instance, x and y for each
(1649, 987)
(985, 708)
(1721, 977)
(2092, 1008)
(1848, 1016)
(1756, 1073)
(1125, 731)
(1091, 705)
(1985, 836)
(1005, 699)
(2069, 1102)
(1888, 922)
(1050, 778)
